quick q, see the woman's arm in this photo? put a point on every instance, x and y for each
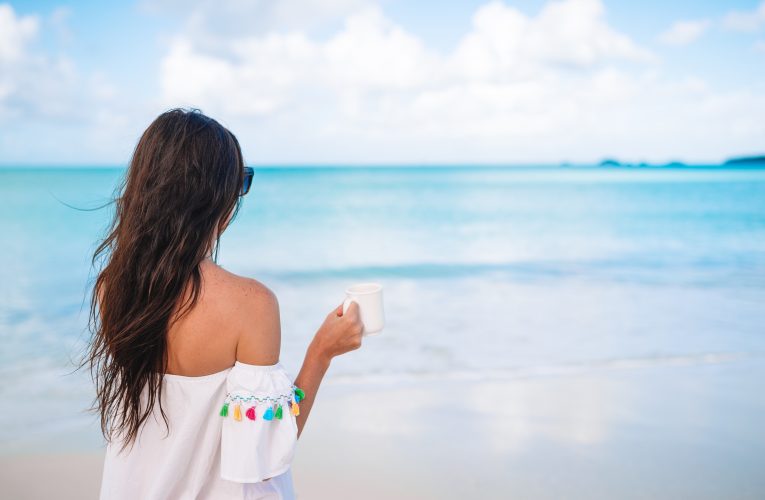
(310, 377)
(339, 334)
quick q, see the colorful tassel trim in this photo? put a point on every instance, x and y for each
(274, 411)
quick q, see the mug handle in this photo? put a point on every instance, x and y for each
(347, 303)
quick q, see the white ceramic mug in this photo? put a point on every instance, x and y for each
(370, 300)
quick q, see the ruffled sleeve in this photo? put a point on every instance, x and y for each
(259, 432)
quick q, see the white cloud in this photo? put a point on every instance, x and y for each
(759, 46)
(47, 104)
(373, 53)
(15, 33)
(338, 81)
(373, 91)
(684, 32)
(25, 75)
(561, 84)
(261, 75)
(751, 20)
(248, 17)
(505, 44)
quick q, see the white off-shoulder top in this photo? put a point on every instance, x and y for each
(232, 435)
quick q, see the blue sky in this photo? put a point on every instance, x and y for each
(353, 81)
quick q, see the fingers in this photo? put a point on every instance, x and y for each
(343, 331)
(356, 327)
(353, 309)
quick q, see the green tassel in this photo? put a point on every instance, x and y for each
(279, 412)
(299, 392)
(224, 410)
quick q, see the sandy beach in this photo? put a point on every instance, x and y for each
(671, 428)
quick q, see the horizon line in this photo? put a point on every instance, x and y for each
(603, 164)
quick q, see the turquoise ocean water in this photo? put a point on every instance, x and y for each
(487, 271)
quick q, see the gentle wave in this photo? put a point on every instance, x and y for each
(631, 268)
(545, 370)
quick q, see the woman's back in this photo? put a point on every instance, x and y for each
(207, 454)
(234, 318)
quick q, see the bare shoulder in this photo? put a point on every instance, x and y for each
(252, 311)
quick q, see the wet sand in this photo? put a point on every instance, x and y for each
(662, 429)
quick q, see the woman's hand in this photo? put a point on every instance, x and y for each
(340, 333)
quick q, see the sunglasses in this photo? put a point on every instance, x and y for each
(248, 173)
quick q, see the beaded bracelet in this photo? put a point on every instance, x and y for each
(274, 409)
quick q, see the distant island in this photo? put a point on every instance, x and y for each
(753, 161)
(610, 162)
(747, 160)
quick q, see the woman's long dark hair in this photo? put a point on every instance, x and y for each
(181, 186)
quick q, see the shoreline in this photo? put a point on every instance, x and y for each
(659, 431)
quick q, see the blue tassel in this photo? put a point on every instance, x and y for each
(269, 414)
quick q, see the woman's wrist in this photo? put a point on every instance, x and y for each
(318, 355)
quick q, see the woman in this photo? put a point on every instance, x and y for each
(193, 399)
